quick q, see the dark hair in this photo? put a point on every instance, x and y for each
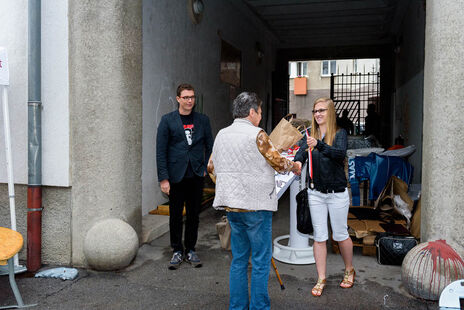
(243, 103)
(184, 86)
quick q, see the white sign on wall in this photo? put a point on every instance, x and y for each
(4, 73)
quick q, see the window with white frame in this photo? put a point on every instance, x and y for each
(328, 67)
(298, 68)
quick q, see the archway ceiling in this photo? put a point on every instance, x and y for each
(326, 23)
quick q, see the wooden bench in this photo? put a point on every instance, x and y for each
(11, 243)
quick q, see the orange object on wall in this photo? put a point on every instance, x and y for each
(300, 86)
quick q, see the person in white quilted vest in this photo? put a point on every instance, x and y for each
(243, 161)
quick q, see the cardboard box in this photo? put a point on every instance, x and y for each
(363, 228)
(367, 249)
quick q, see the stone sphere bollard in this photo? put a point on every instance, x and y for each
(429, 267)
(110, 244)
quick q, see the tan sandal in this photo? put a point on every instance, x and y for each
(318, 288)
(346, 283)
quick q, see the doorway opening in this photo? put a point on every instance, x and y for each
(353, 85)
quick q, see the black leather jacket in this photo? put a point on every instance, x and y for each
(328, 162)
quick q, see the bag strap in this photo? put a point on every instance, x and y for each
(307, 176)
(291, 118)
(303, 170)
(310, 166)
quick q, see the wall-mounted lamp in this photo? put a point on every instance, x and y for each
(195, 9)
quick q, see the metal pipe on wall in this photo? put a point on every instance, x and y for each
(34, 188)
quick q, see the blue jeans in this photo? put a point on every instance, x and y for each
(251, 232)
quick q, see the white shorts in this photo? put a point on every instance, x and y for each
(335, 205)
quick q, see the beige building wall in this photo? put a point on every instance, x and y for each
(315, 80)
(317, 85)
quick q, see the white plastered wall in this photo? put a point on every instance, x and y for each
(55, 90)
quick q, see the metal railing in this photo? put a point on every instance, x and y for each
(354, 92)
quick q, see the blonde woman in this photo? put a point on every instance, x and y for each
(330, 195)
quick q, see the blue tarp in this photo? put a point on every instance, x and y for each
(377, 169)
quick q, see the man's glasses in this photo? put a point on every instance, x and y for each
(319, 111)
(187, 98)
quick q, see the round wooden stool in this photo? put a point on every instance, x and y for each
(11, 243)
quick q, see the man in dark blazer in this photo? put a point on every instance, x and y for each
(183, 146)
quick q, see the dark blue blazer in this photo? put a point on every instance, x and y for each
(173, 152)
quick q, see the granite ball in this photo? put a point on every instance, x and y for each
(110, 244)
(429, 267)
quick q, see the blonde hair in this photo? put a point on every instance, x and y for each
(331, 122)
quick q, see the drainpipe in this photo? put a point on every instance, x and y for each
(34, 105)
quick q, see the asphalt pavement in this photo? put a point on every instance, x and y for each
(148, 284)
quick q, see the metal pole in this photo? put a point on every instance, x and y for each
(332, 83)
(13, 284)
(34, 188)
(9, 162)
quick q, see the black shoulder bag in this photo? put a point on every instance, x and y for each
(391, 249)
(303, 215)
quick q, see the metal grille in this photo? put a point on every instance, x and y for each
(354, 92)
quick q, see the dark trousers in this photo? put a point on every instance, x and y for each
(190, 191)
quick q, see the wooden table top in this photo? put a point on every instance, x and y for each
(11, 243)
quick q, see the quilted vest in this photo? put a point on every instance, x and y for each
(244, 180)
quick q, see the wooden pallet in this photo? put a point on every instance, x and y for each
(163, 209)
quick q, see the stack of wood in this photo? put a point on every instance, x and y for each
(163, 209)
